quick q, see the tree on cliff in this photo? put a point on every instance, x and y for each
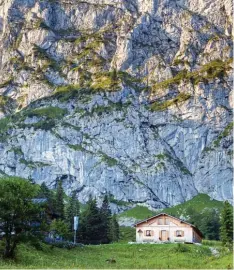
(17, 211)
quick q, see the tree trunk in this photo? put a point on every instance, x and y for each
(10, 246)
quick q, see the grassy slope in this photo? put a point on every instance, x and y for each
(127, 256)
(138, 212)
(199, 203)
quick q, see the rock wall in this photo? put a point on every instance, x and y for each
(130, 98)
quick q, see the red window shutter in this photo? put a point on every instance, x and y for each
(152, 233)
(182, 233)
(174, 233)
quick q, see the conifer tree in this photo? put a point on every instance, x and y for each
(105, 214)
(46, 193)
(72, 209)
(114, 231)
(59, 203)
(210, 224)
(226, 229)
(90, 226)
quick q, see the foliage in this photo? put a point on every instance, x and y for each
(48, 194)
(114, 229)
(60, 228)
(214, 69)
(226, 132)
(48, 115)
(59, 200)
(90, 224)
(106, 81)
(47, 112)
(7, 82)
(127, 234)
(226, 229)
(72, 209)
(211, 243)
(161, 106)
(207, 222)
(64, 244)
(181, 248)
(109, 160)
(6, 103)
(106, 228)
(43, 55)
(17, 211)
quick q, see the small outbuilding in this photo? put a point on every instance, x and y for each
(166, 228)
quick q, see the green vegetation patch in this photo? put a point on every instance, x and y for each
(111, 80)
(138, 212)
(77, 147)
(47, 112)
(127, 234)
(214, 69)
(5, 124)
(7, 82)
(226, 132)
(6, 103)
(106, 81)
(126, 256)
(199, 203)
(117, 202)
(163, 105)
(43, 55)
(108, 160)
(17, 151)
(32, 164)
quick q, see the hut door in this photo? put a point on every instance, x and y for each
(164, 235)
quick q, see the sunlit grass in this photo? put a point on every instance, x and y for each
(126, 256)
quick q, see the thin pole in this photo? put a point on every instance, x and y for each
(75, 237)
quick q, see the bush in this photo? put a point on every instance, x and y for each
(181, 248)
(161, 106)
(62, 244)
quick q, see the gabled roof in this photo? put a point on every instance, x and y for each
(164, 214)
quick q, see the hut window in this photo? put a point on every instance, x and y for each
(167, 221)
(179, 233)
(148, 233)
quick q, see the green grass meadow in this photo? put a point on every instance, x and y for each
(141, 256)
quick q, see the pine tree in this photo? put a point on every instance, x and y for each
(46, 193)
(210, 224)
(105, 214)
(72, 209)
(59, 200)
(226, 229)
(114, 229)
(90, 226)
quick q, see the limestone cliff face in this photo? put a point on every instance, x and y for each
(130, 98)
